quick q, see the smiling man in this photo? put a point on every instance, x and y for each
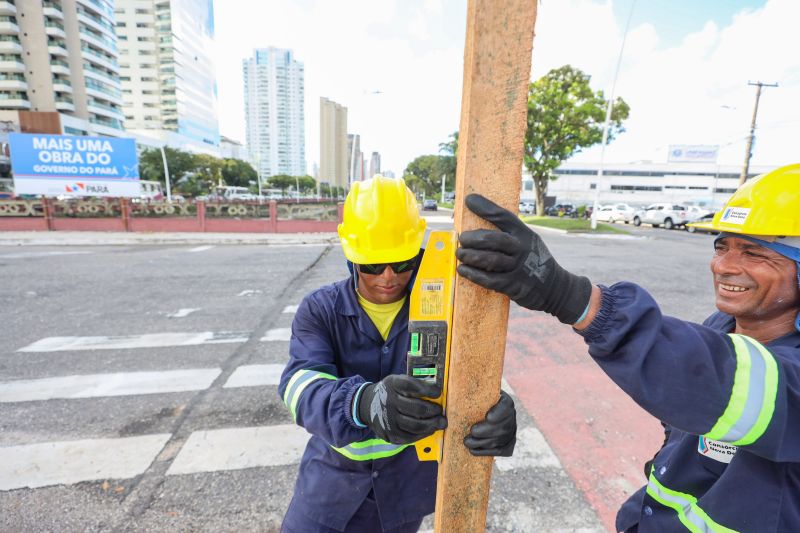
(727, 390)
(345, 382)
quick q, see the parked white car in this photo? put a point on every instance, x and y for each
(696, 212)
(527, 207)
(616, 213)
(663, 214)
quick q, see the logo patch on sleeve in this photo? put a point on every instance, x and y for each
(714, 449)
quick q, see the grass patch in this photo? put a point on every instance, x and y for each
(572, 225)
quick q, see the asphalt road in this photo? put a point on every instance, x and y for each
(138, 383)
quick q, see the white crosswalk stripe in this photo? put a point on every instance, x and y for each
(148, 340)
(278, 334)
(238, 448)
(255, 376)
(98, 385)
(61, 463)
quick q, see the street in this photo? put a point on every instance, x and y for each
(138, 385)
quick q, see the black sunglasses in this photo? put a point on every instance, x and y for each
(398, 268)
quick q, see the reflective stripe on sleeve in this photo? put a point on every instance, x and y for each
(689, 513)
(294, 389)
(367, 450)
(752, 401)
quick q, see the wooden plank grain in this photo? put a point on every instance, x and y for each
(497, 62)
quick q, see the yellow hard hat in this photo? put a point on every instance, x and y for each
(766, 205)
(381, 222)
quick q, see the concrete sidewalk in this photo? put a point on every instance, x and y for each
(103, 238)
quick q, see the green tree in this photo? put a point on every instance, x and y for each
(237, 173)
(308, 184)
(425, 173)
(564, 116)
(451, 146)
(180, 164)
(282, 182)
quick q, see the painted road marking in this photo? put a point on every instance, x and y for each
(149, 340)
(506, 386)
(255, 376)
(531, 451)
(290, 308)
(97, 385)
(67, 462)
(249, 292)
(277, 334)
(180, 313)
(238, 448)
(201, 248)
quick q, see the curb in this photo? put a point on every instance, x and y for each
(91, 238)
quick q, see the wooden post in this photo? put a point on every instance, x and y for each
(497, 63)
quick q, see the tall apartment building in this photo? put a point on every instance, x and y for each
(61, 56)
(274, 104)
(374, 164)
(355, 158)
(167, 72)
(333, 154)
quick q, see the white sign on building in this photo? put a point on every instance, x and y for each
(692, 153)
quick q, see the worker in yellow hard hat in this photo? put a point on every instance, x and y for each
(727, 390)
(346, 381)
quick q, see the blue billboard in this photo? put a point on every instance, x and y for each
(70, 165)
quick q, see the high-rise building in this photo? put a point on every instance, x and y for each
(374, 164)
(274, 107)
(355, 158)
(61, 56)
(332, 143)
(167, 72)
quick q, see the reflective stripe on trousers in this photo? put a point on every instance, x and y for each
(294, 389)
(367, 450)
(690, 514)
(752, 402)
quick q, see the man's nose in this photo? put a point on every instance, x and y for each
(388, 273)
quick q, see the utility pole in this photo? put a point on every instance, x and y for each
(749, 150)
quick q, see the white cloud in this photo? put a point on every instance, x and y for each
(412, 51)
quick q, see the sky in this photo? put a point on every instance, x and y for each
(397, 65)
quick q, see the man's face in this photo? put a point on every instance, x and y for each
(383, 288)
(753, 282)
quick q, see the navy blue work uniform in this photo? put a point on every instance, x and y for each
(732, 460)
(346, 473)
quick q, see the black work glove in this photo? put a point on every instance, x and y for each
(517, 263)
(394, 409)
(497, 434)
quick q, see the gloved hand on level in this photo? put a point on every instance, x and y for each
(497, 434)
(515, 262)
(394, 409)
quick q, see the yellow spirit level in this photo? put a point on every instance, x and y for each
(430, 322)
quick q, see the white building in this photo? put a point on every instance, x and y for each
(374, 164)
(274, 96)
(61, 56)
(703, 184)
(231, 149)
(355, 158)
(167, 72)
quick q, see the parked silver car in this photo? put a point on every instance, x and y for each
(663, 214)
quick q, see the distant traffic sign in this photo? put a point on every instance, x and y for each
(70, 165)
